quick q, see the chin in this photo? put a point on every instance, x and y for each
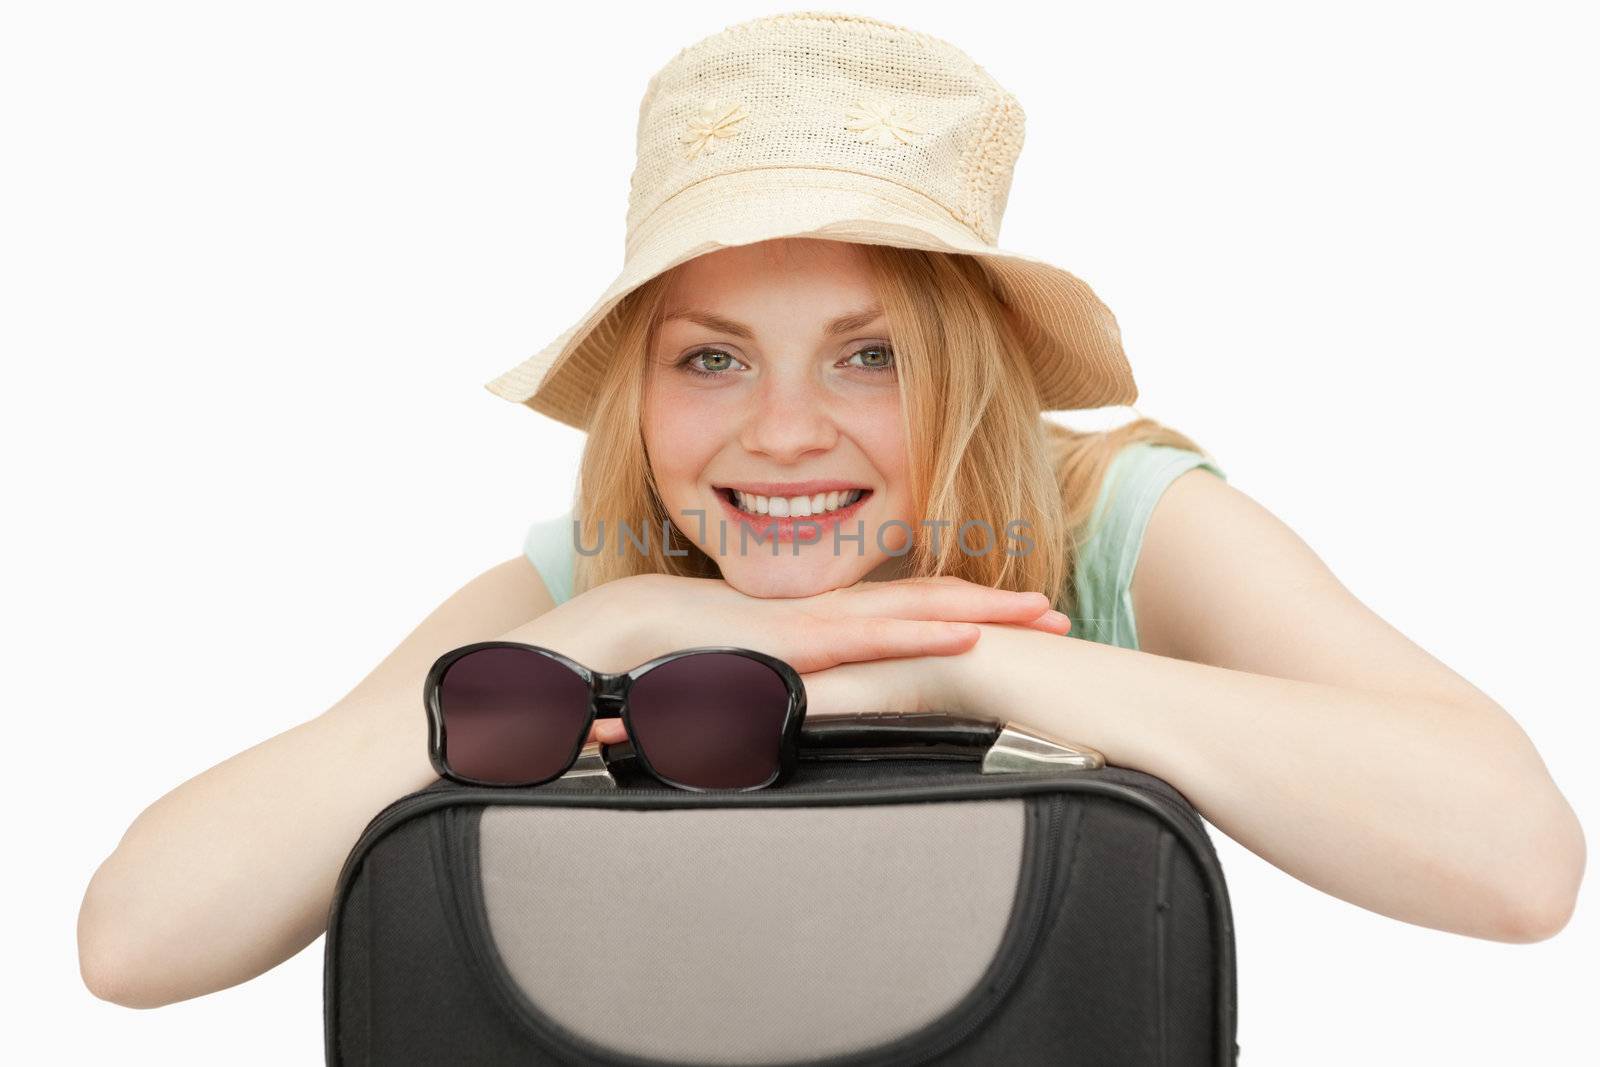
(787, 582)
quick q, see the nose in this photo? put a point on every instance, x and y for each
(790, 418)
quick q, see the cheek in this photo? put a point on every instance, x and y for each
(878, 431)
(679, 435)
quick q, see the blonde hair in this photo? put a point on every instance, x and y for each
(978, 446)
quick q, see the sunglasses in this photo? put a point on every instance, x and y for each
(511, 714)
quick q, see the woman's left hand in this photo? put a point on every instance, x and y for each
(872, 646)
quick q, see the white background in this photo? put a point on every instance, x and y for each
(259, 260)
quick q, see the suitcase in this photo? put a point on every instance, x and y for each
(926, 889)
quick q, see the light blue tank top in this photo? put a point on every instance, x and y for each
(1137, 477)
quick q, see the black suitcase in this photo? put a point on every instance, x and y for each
(889, 905)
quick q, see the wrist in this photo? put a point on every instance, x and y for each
(953, 685)
(605, 629)
(975, 682)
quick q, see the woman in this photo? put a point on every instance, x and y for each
(813, 304)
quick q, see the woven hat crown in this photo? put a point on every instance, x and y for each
(841, 127)
(824, 90)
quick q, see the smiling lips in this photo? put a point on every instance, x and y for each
(821, 505)
(782, 507)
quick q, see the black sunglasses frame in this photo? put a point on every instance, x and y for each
(608, 699)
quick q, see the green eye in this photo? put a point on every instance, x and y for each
(716, 370)
(876, 358)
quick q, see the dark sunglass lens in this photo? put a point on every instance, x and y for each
(712, 720)
(511, 715)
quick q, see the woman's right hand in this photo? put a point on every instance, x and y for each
(621, 624)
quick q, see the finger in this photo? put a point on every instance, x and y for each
(1053, 622)
(608, 732)
(858, 640)
(944, 597)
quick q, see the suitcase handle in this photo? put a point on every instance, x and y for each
(999, 748)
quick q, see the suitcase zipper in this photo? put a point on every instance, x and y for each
(986, 785)
(1018, 960)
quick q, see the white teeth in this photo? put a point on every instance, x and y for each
(797, 506)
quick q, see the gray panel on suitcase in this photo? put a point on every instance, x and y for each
(743, 936)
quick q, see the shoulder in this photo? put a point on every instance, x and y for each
(548, 545)
(1111, 543)
(1135, 478)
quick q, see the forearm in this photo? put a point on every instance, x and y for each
(1438, 815)
(232, 872)
(604, 634)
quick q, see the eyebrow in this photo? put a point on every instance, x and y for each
(853, 320)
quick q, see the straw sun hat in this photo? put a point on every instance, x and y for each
(821, 124)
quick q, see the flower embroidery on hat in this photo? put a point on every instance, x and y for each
(718, 120)
(882, 122)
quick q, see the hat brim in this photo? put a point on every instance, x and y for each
(1071, 335)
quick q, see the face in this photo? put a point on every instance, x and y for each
(771, 401)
